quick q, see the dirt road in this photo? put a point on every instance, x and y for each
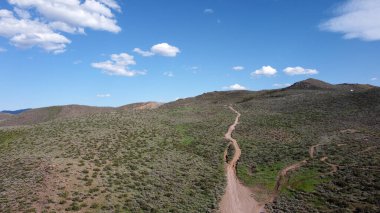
(237, 198)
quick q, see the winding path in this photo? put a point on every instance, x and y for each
(237, 198)
(283, 173)
(334, 167)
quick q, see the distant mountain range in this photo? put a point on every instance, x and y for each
(15, 112)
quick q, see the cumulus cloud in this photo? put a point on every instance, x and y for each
(238, 68)
(281, 85)
(235, 87)
(372, 79)
(142, 52)
(61, 26)
(119, 65)
(2, 50)
(356, 19)
(163, 49)
(25, 33)
(41, 22)
(103, 95)
(208, 11)
(169, 74)
(265, 70)
(92, 14)
(300, 71)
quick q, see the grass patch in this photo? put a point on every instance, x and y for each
(305, 179)
(265, 175)
(6, 138)
(185, 138)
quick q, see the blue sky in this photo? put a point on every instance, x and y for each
(84, 52)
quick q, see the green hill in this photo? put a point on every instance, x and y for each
(170, 158)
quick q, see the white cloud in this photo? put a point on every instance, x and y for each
(82, 14)
(208, 11)
(238, 68)
(61, 26)
(142, 52)
(2, 50)
(39, 22)
(235, 87)
(119, 65)
(374, 79)
(25, 33)
(169, 74)
(356, 19)
(281, 85)
(103, 95)
(300, 71)
(163, 49)
(266, 71)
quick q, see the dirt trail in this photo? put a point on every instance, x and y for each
(334, 167)
(237, 198)
(282, 175)
(313, 149)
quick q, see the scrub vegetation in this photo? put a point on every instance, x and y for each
(170, 159)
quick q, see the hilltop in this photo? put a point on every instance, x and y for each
(315, 84)
(312, 83)
(140, 106)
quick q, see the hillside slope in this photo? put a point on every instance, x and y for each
(35, 116)
(5, 116)
(171, 158)
(45, 114)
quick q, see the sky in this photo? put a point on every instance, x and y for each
(115, 52)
